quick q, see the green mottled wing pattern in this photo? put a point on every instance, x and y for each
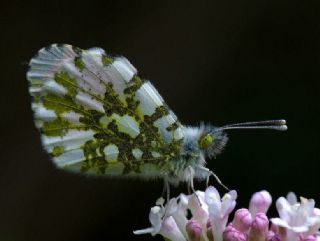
(97, 116)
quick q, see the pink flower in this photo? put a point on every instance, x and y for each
(232, 234)
(254, 222)
(259, 228)
(194, 230)
(309, 238)
(260, 202)
(242, 220)
(271, 236)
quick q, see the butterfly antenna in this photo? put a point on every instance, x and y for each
(279, 125)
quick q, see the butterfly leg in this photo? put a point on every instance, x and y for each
(166, 189)
(188, 188)
(191, 184)
(211, 173)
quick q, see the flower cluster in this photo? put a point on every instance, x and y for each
(297, 221)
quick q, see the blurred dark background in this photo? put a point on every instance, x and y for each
(215, 61)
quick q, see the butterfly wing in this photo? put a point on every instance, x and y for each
(96, 115)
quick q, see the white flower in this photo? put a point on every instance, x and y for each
(199, 208)
(219, 210)
(170, 220)
(170, 230)
(177, 208)
(297, 218)
(155, 218)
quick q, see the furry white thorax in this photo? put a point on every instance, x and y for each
(192, 160)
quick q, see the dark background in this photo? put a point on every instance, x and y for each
(217, 61)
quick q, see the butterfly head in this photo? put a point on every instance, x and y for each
(212, 141)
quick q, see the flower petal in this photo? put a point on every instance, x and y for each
(292, 198)
(170, 230)
(284, 208)
(279, 222)
(155, 217)
(199, 209)
(144, 231)
(228, 203)
(212, 195)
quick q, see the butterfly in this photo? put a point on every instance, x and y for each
(97, 116)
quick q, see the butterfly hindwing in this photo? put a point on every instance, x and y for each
(96, 115)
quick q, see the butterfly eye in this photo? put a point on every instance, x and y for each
(205, 141)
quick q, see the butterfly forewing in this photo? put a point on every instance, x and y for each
(96, 115)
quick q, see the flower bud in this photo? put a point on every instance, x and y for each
(209, 231)
(309, 238)
(281, 232)
(260, 202)
(259, 228)
(271, 236)
(194, 230)
(242, 220)
(232, 234)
